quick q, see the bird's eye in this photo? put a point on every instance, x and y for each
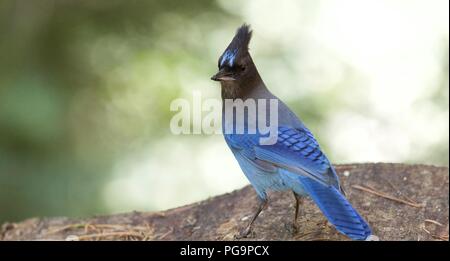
(243, 68)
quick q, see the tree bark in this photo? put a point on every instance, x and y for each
(400, 202)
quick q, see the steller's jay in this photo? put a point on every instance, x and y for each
(295, 161)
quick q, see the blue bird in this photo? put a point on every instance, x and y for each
(294, 161)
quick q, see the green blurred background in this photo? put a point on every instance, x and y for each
(85, 89)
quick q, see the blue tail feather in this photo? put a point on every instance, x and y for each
(337, 209)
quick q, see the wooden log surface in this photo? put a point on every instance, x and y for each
(399, 201)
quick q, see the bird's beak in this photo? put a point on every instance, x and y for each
(222, 75)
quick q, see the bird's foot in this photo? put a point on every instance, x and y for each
(292, 228)
(295, 228)
(245, 233)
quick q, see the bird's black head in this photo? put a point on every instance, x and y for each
(237, 72)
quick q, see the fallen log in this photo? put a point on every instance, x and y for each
(399, 201)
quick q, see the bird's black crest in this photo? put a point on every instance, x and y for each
(238, 46)
(242, 38)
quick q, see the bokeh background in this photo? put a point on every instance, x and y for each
(85, 89)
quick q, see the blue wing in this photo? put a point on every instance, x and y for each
(296, 150)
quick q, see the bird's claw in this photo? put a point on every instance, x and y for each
(244, 233)
(295, 228)
(292, 228)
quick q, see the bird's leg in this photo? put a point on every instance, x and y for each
(298, 201)
(248, 229)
